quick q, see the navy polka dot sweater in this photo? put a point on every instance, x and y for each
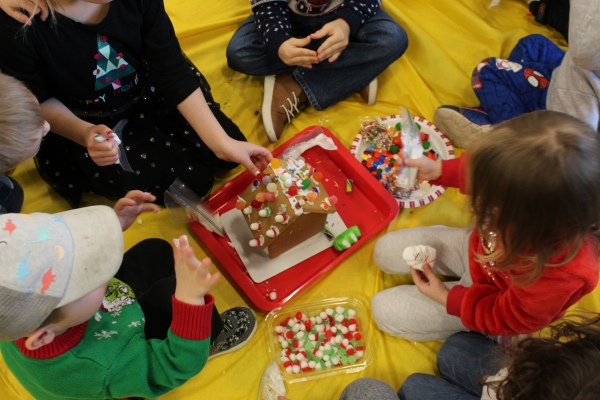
(272, 17)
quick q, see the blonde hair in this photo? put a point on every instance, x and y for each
(20, 117)
(535, 182)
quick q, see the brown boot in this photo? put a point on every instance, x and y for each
(284, 98)
(369, 93)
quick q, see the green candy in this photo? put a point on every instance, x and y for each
(426, 145)
(308, 347)
(399, 126)
(344, 360)
(341, 351)
(305, 184)
(418, 125)
(394, 149)
(351, 359)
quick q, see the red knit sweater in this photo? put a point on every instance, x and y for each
(493, 305)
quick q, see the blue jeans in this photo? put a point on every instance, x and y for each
(464, 359)
(379, 42)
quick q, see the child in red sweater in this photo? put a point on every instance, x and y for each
(535, 193)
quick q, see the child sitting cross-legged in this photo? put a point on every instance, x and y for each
(534, 183)
(71, 330)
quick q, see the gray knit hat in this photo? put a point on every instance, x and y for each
(49, 260)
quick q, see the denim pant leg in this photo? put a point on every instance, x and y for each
(379, 42)
(466, 357)
(430, 387)
(247, 54)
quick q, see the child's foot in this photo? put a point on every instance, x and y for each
(239, 325)
(284, 98)
(461, 125)
(369, 93)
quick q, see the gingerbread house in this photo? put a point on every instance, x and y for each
(285, 205)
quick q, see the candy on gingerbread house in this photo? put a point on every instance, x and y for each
(285, 205)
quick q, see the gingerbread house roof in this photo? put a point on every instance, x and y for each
(285, 190)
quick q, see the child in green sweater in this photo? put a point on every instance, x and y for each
(72, 329)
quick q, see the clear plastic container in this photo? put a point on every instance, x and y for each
(279, 316)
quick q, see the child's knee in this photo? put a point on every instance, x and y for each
(388, 255)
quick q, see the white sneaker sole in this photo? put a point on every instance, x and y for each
(266, 108)
(239, 345)
(373, 86)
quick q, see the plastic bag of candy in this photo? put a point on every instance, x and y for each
(382, 147)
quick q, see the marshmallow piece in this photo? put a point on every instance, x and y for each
(418, 256)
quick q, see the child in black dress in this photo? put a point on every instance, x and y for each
(96, 66)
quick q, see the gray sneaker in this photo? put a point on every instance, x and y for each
(239, 325)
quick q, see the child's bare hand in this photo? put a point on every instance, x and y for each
(102, 153)
(133, 204)
(428, 170)
(430, 285)
(193, 276)
(293, 53)
(252, 156)
(13, 8)
(339, 34)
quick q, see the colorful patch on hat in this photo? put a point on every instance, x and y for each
(47, 280)
(9, 226)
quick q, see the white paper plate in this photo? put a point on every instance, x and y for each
(439, 143)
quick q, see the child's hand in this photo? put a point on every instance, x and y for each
(193, 276)
(428, 170)
(102, 153)
(339, 34)
(252, 156)
(133, 204)
(13, 8)
(430, 285)
(293, 53)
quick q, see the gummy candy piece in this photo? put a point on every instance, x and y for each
(256, 204)
(312, 196)
(305, 184)
(317, 176)
(394, 149)
(270, 196)
(426, 145)
(333, 200)
(266, 180)
(260, 197)
(275, 163)
(293, 191)
(240, 205)
(272, 187)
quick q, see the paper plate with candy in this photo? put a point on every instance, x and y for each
(377, 147)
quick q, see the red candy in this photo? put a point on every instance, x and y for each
(350, 351)
(293, 191)
(348, 336)
(295, 344)
(289, 334)
(357, 336)
(256, 204)
(298, 315)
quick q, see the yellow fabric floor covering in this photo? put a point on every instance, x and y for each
(446, 40)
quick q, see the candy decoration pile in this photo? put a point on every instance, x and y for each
(330, 338)
(382, 153)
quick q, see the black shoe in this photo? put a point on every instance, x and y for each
(554, 13)
(239, 325)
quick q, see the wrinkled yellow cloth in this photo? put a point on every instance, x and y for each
(446, 41)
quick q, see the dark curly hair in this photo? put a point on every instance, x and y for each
(564, 365)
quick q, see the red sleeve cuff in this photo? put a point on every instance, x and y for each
(453, 174)
(192, 322)
(455, 299)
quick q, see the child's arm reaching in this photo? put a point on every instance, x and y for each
(132, 205)
(14, 7)
(194, 280)
(195, 110)
(63, 122)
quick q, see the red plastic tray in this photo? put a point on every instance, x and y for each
(369, 206)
